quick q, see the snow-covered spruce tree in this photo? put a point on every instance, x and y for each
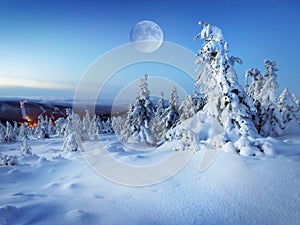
(107, 125)
(296, 100)
(142, 113)
(51, 128)
(100, 126)
(118, 126)
(263, 91)
(41, 130)
(288, 107)
(93, 128)
(191, 105)
(70, 143)
(25, 148)
(68, 126)
(121, 124)
(9, 133)
(226, 99)
(16, 128)
(254, 89)
(2, 133)
(168, 119)
(23, 132)
(72, 127)
(161, 105)
(157, 123)
(172, 115)
(59, 126)
(85, 126)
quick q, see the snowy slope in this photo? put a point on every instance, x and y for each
(54, 187)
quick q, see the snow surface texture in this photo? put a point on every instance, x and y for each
(55, 187)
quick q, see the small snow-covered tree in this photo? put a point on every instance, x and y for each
(121, 124)
(144, 91)
(161, 106)
(51, 128)
(263, 91)
(187, 108)
(9, 133)
(25, 148)
(121, 127)
(23, 132)
(93, 128)
(2, 133)
(16, 128)
(42, 128)
(70, 143)
(84, 127)
(287, 107)
(59, 126)
(107, 126)
(100, 126)
(174, 98)
(157, 123)
(172, 111)
(296, 100)
(254, 89)
(68, 126)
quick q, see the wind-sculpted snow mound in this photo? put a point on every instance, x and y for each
(202, 131)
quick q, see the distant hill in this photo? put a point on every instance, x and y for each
(10, 109)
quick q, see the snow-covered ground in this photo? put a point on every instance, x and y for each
(55, 187)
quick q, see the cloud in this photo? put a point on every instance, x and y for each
(13, 82)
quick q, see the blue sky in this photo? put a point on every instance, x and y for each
(46, 46)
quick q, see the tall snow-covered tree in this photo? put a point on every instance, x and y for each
(142, 113)
(226, 99)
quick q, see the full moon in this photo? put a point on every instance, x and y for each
(146, 36)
